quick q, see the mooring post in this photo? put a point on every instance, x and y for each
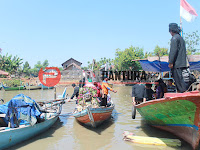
(55, 93)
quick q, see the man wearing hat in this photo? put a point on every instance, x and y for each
(178, 59)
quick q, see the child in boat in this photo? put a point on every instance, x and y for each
(171, 88)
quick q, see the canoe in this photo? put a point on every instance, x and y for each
(33, 87)
(94, 116)
(46, 87)
(13, 88)
(177, 113)
(12, 136)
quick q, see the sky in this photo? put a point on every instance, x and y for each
(57, 30)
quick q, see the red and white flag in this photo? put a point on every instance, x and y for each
(187, 11)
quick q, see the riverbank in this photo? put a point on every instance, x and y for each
(36, 81)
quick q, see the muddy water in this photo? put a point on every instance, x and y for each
(68, 134)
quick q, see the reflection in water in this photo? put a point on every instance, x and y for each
(68, 134)
(93, 138)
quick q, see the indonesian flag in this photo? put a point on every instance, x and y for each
(187, 11)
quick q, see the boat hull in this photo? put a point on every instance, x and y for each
(47, 88)
(99, 115)
(33, 87)
(178, 115)
(14, 88)
(17, 135)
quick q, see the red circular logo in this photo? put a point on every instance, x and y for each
(50, 77)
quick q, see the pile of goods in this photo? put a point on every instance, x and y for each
(87, 97)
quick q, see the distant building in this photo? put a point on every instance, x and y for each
(71, 64)
(71, 70)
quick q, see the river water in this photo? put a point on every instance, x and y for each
(68, 134)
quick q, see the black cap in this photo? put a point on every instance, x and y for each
(173, 27)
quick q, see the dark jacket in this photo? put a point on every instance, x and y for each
(138, 91)
(177, 54)
(76, 92)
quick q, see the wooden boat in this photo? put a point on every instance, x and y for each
(14, 88)
(33, 87)
(46, 87)
(177, 113)
(12, 136)
(93, 116)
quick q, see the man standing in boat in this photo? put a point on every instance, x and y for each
(178, 62)
(105, 89)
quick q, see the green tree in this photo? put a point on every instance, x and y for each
(158, 51)
(45, 64)
(26, 69)
(192, 42)
(148, 54)
(38, 66)
(9, 63)
(123, 59)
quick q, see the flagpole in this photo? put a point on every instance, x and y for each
(181, 26)
(181, 22)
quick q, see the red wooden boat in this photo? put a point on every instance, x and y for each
(94, 116)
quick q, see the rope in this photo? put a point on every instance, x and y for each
(191, 86)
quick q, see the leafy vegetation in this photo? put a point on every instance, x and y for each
(10, 64)
(192, 42)
(124, 59)
(12, 83)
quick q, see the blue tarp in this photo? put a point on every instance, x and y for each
(160, 66)
(21, 107)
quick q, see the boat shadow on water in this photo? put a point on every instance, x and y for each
(64, 118)
(151, 131)
(46, 134)
(106, 124)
